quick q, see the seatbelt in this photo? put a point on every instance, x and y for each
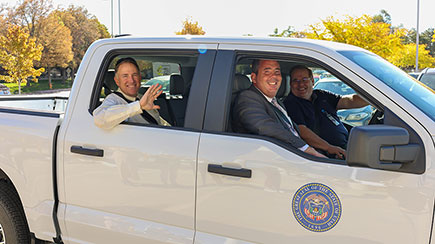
(144, 113)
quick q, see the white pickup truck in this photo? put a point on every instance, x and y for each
(64, 180)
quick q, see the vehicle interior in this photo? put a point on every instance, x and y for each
(173, 72)
(349, 117)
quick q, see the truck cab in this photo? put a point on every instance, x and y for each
(199, 181)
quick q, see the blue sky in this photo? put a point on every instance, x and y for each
(239, 17)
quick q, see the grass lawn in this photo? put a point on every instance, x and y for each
(42, 85)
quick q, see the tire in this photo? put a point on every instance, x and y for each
(13, 224)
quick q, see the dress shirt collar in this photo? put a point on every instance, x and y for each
(130, 98)
(267, 98)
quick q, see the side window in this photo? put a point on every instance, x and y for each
(319, 116)
(350, 117)
(173, 72)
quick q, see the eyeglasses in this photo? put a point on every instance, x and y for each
(304, 80)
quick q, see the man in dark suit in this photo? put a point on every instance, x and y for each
(257, 111)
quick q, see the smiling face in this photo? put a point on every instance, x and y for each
(268, 77)
(301, 83)
(128, 79)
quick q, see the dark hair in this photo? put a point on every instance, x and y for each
(254, 66)
(126, 60)
(300, 66)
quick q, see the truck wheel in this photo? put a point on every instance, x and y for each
(13, 224)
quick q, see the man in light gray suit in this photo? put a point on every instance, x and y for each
(257, 111)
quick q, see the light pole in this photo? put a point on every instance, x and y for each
(417, 36)
(119, 14)
(111, 16)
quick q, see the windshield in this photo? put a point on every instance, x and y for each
(413, 91)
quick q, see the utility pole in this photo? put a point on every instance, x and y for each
(417, 36)
(111, 17)
(119, 14)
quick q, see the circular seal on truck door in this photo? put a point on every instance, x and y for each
(316, 207)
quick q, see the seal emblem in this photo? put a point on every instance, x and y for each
(316, 207)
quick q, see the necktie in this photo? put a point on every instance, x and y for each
(287, 121)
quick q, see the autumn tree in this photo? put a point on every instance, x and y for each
(3, 22)
(377, 37)
(190, 27)
(29, 13)
(359, 31)
(56, 39)
(18, 52)
(85, 29)
(405, 57)
(424, 38)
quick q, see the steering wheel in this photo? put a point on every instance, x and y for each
(377, 117)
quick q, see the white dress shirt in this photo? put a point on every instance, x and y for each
(303, 148)
(115, 110)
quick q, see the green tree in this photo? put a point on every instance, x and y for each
(18, 52)
(382, 17)
(289, 32)
(190, 27)
(57, 42)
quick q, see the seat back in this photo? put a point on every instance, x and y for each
(176, 85)
(109, 82)
(241, 82)
(284, 89)
(177, 104)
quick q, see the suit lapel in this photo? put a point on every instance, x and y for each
(278, 114)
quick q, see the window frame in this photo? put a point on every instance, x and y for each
(195, 106)
(219, 100)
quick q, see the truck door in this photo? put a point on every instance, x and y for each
(253, 189)
(134, 183)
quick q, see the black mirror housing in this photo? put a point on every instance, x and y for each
(380, 147)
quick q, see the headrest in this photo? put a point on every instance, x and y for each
(176, 85)
(109, 79)
(241, 82)
(109, 82)
(284, 88)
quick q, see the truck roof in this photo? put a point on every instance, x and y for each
(270, 41)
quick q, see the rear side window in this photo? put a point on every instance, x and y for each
(173, 72)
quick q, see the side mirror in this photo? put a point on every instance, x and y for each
(380, 147)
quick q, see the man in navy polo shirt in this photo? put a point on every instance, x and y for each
(315, 113)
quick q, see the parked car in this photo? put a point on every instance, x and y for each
(162, 80)
(414, 74)
(4, 90)
(427, 77)
(352, 117)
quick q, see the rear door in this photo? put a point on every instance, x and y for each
(253, 189)
(136, 184)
